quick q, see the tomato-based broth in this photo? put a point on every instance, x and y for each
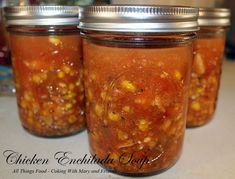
(48, 77)
(205, 79)
(136, 104)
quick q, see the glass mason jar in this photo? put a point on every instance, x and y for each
(6, 83)
(47, 64)
(209, 53)
(137, 65)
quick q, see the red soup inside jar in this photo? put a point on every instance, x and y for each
(136, 104)
(48, 77)
(205, 78)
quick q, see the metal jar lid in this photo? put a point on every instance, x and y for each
(214, 17)
(41, 15)
(125, 18)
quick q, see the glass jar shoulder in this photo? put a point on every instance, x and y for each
(138, 40)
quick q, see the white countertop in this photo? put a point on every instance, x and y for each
(209, 151)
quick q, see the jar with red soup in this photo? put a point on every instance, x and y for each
(208, 57)
(46, 55)
(137, 65)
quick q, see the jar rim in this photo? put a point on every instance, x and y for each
(41, 15)
(136, 18)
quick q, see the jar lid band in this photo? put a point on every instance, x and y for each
(41, 15)
(214, 17)
(123, 18)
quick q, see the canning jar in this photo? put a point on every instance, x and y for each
(46, 54)
(137, 64)
(208, 57)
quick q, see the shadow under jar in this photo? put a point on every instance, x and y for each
(137, 64)
(46, 55)
(208, 58)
